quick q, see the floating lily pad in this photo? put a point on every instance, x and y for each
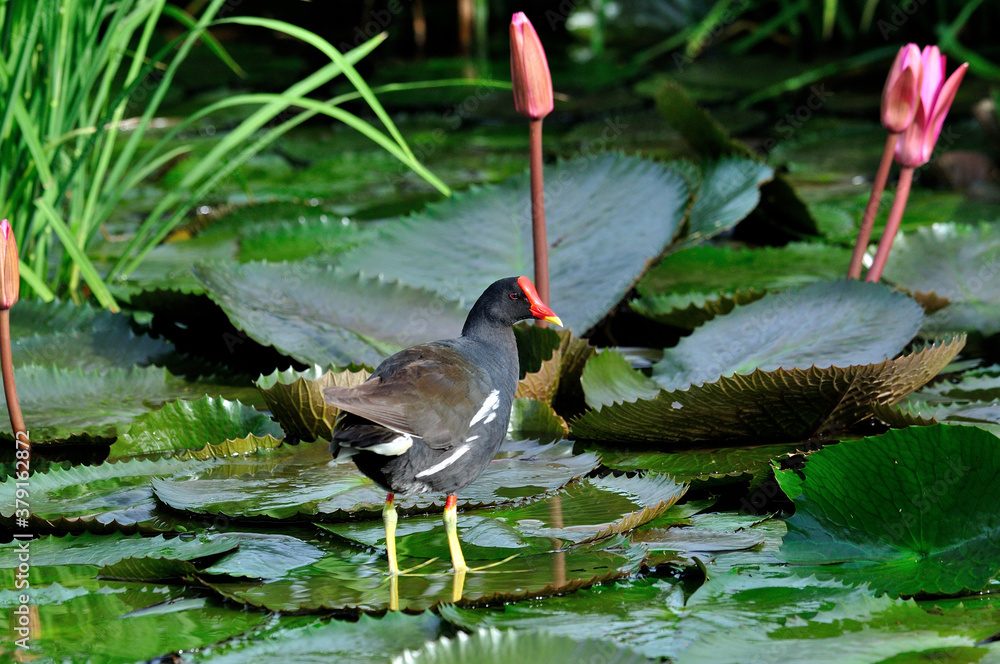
(490, 235)
(708, 535)
(827, 324)
(934, 527)
(955, 261)
(296, 399)
(79, 337)
(490, 646)
(124, 622)
(729, 191)
(696, 284)
(699, 466)
(181, 425)
(771, 406)
(582, 512)
(322, 315)
(322, 639)
(302, 481)
(551, 363)
(102, 550)
(347, 580)
(534, 419)
(60, 403)
(636, 613)
(814, 621)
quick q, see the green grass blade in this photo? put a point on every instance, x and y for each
(349, 71)
(78, 256)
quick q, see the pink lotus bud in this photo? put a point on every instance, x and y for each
(529, 70)
(902, 90)
(916, 143)
(10, 273)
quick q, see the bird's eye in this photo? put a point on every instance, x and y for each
(515, 296)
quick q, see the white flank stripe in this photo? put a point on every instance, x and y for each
(438, 467)
(491, 403)
(394, 447)
(471, 438)
(489, 419)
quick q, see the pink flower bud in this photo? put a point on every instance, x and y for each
(10, 273)
(901, 93)
(916, 143)
(529, 70)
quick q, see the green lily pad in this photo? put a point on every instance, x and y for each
(708, 535)
(981, 414)
(551, 363)
(322, 315)
(582, 512)
(109, 493)
(933, 527)
(322, 639)
(827, 324)
(635, 613)
(973, 385)
(296, 399)
(301, 481)
(729, 191)
(79, 337)
(699, 466)
(693, 285)
(489, 233)
(491, 646)
(955, 261)
(102, 550)
(182, 425)
(301, 238)
(348, 580)
(60, 403)
(534, 419)
(766, 406)
(125, 622)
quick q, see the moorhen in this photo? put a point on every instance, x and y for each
(432, 417)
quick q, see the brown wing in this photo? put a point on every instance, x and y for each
(431, 391)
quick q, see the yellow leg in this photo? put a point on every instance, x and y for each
(389, 517)
(451, 528)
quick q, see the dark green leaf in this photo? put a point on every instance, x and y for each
(300, 481)
(59, 403)
(183, 425)
(696, 284)
(489, 232)
(955, 261)
(322, 315)
(296, 399)
(911, 511)
(828, 324)
(781, 405)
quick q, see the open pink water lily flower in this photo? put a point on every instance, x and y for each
(529, 70)
(901, 93)
(916, 143)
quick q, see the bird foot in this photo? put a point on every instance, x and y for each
(482, 568)
(410, 571)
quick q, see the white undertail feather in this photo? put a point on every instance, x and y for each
(394, 447)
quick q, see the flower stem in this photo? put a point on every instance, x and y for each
(868, 221)
(538, 212)
(892, 225)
